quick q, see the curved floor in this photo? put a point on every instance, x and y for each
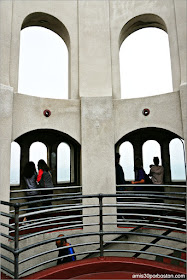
(106, 268)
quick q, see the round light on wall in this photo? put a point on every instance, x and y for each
(146, 112)
(47, 113)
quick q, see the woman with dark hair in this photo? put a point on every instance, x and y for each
(30, 175)
(44, 179)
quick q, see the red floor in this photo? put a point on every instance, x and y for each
(107, 268)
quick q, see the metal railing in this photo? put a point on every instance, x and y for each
(147, 224)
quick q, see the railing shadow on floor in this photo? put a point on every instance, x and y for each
(143, 224)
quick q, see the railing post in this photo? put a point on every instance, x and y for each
(16, 242)
(101, 224)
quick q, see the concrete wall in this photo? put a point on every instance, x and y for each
(94, 115)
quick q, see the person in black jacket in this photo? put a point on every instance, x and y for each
(65, 250)
(120, 177)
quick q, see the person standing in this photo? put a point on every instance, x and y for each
(156, 172)
(30, 176)
(120, 177)
(44, 178)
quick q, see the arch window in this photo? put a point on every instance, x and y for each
(43, 64)
(150, 149)
(177, 160)
(15, 164)
(145, 65)
(63, 163)
(37, 151)
(127, 160)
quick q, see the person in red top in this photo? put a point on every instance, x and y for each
(44, 178)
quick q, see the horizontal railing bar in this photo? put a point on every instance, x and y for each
(139, 205)
(147, 253)
(10, 249)
(54, 240)
(56, 249)
(78, 196)
(51, 230)
(58, 228)
(87, 234)
(159, 204)
(148, 215)
(145, 243)
(6, 203)
(7, 270)
(7, 259)
(147, 195)
(6, 236)
(44, 189)
(39, 196)
(41, 221)
(58, 209)
(151, 185)
(6, 215)
(52, 206)
(30, 226)
(150, 192)
(147, 225)
(6, 225)
(54, 259)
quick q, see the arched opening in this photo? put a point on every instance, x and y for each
(151, 148)
(45, 144)
(150, 142)
(43, 60)
(63, 163)
(47, 74)
(37, 151)
(177, 160)
(145, 65)
(15, 164)
(127, 160)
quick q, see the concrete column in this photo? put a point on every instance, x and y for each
(137, 145)
(6, 107)
(94, 49)
(165, 154)
(23, 160)
(183, 98)
(98, 163)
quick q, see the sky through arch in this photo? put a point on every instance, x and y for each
(145, 65)
(43, 64)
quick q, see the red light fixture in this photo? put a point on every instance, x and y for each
(47, 113)
(146, 112)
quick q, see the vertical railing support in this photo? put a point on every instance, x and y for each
(16, 242)
(101, 224)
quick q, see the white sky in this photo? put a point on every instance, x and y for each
(145, 69)
(43, 64)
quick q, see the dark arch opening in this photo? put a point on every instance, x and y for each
(49, 22)
(138, 137)
(139, 22)
(51, 138)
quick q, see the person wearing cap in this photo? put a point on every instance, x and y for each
(65, 251)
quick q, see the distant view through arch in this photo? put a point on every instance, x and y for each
(145, 66)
